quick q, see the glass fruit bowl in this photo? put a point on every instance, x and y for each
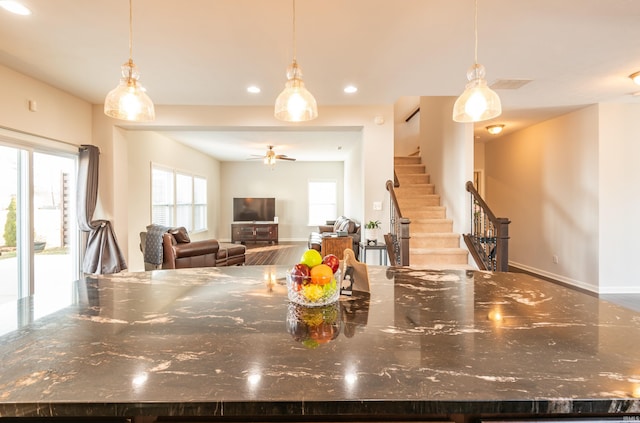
(313, 326)
(318, 291)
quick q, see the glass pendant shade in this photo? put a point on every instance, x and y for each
(478, 102)
(129, 101)
(295, 103)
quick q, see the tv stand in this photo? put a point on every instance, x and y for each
(254, 232)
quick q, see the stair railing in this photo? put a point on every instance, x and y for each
(397, 241)
(488, 241)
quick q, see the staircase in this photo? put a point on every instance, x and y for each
(432, 242)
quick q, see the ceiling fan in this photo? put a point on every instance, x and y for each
(270, 157)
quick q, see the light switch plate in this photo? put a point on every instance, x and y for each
(377, 205)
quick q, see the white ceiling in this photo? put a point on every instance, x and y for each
(206, 52)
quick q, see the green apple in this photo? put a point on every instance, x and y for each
(311, 258)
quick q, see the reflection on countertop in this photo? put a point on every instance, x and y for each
(199, 341)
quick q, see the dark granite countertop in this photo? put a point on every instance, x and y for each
(226, 342)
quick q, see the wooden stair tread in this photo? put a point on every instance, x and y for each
(435, 235)
(431, 220)
(443, 250)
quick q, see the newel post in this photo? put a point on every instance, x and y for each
(502, 244)
(404, 241)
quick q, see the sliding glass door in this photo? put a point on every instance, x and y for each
(54, 226)
(9, 212)
(38, 231)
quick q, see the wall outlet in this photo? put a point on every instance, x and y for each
(555, 259)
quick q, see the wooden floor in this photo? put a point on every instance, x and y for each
(289, 253)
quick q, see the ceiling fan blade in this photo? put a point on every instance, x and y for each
(291, 159)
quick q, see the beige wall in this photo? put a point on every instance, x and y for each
(545, 179)
(478, 164)
(59, 116)
(406, 134)
(287, 183)
(619, 196)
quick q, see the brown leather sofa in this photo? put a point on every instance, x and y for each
(179, 252)
(207, 253)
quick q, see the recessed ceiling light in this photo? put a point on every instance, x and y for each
(350, 89)
(15, 7)
(635, 77)
(253, 89)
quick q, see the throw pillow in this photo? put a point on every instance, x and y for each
(344, 226)
(339, 224)
(181, 235)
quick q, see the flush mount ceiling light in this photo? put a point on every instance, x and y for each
(15, 7)
(129, 100)
(495, 129)
(295, 103)
(635, 77)
(478, 102)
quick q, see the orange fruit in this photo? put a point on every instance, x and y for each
(321, 274)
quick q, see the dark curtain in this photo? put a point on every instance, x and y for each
(103, 255)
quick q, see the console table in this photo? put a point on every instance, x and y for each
(225, 345)
(254, 232)
(381, 248)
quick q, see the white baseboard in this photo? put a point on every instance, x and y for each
(559, 278)
(579, 284)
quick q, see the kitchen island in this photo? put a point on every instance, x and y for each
(224, 344)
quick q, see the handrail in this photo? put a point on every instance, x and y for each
(397, 241)
(488, 241)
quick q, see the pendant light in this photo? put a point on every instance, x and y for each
(129, 100)
(478, 102)
(295, 103)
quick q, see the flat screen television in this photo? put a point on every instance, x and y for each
(254, 209)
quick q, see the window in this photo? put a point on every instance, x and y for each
(322, 202)
(184, 200)
(200, 203)
(162, 197)
(178, 199)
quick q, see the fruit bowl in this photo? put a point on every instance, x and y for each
(313, 292)
(313, 326)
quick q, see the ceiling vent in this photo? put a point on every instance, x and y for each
(509, 84)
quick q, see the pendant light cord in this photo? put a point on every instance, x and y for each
(130, 31)
(475, 25)
(294, 30)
